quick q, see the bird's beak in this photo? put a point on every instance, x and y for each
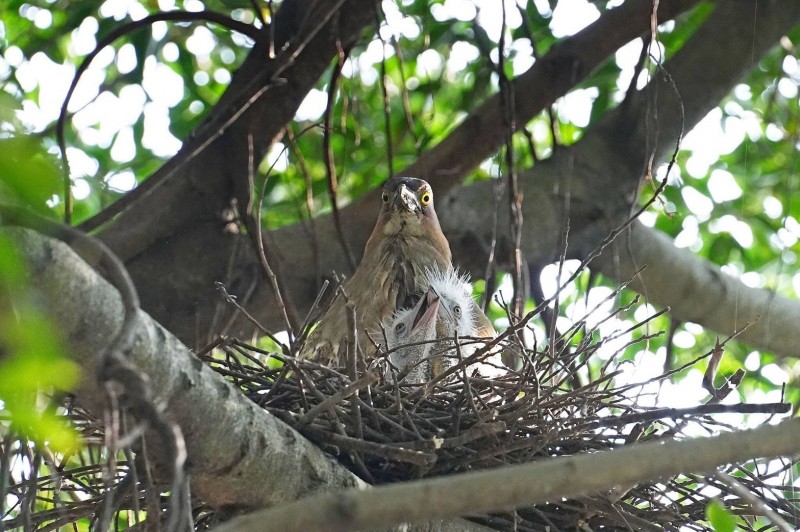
(405, 199)
(426, 310)
(445, 308)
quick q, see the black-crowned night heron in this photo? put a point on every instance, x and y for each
(406, 242)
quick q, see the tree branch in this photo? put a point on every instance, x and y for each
(211, 168)
(237, 454)
(599, 175)
(515, 486)
(648, 124)
(483, 131)
(565, 65)
(226, 434)
(697, 291)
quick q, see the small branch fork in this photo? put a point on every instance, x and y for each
(253, 220)
(757, 504)
(327, 153)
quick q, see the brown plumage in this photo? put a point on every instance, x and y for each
(406, 242)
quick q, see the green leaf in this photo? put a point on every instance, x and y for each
(33, 361)
(27, 172)
(721, 519)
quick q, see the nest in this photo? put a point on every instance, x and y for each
(463, 421)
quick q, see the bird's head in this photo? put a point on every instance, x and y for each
(455, 293)
(407, 208)
(417, 326)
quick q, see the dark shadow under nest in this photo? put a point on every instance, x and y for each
(385, 432)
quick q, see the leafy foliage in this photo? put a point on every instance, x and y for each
(720, 518)
(731, 201)
(30, 347)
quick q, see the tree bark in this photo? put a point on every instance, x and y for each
(232, 445)
(238, 455)
(212, 167)
(697, 291)
(514, 486)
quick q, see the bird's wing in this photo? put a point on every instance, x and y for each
(318, 348)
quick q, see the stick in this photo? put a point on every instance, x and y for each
(506, 487)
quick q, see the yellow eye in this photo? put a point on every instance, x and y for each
(425, 199)
(385, 197)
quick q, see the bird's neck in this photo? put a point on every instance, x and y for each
(420, 251)
(393, 270)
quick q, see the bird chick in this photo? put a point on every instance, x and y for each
(406, 242)
(413, 331)
(426, 331)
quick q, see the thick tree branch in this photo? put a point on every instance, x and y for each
(210, 169)
(233, 446)
(594, 182)
(484, 130)
(694, 288)
(647, 126)
(515, 486)
(697, 291)
(184, 198)
(238, 454)
(596, 179)
(565, 65)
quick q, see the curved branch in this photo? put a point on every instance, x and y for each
(514, 486)
(237, 454)
(209, 171)
(566, 64)
(327, 155)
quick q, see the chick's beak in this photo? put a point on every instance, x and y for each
(426, 310)
(405, 199)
